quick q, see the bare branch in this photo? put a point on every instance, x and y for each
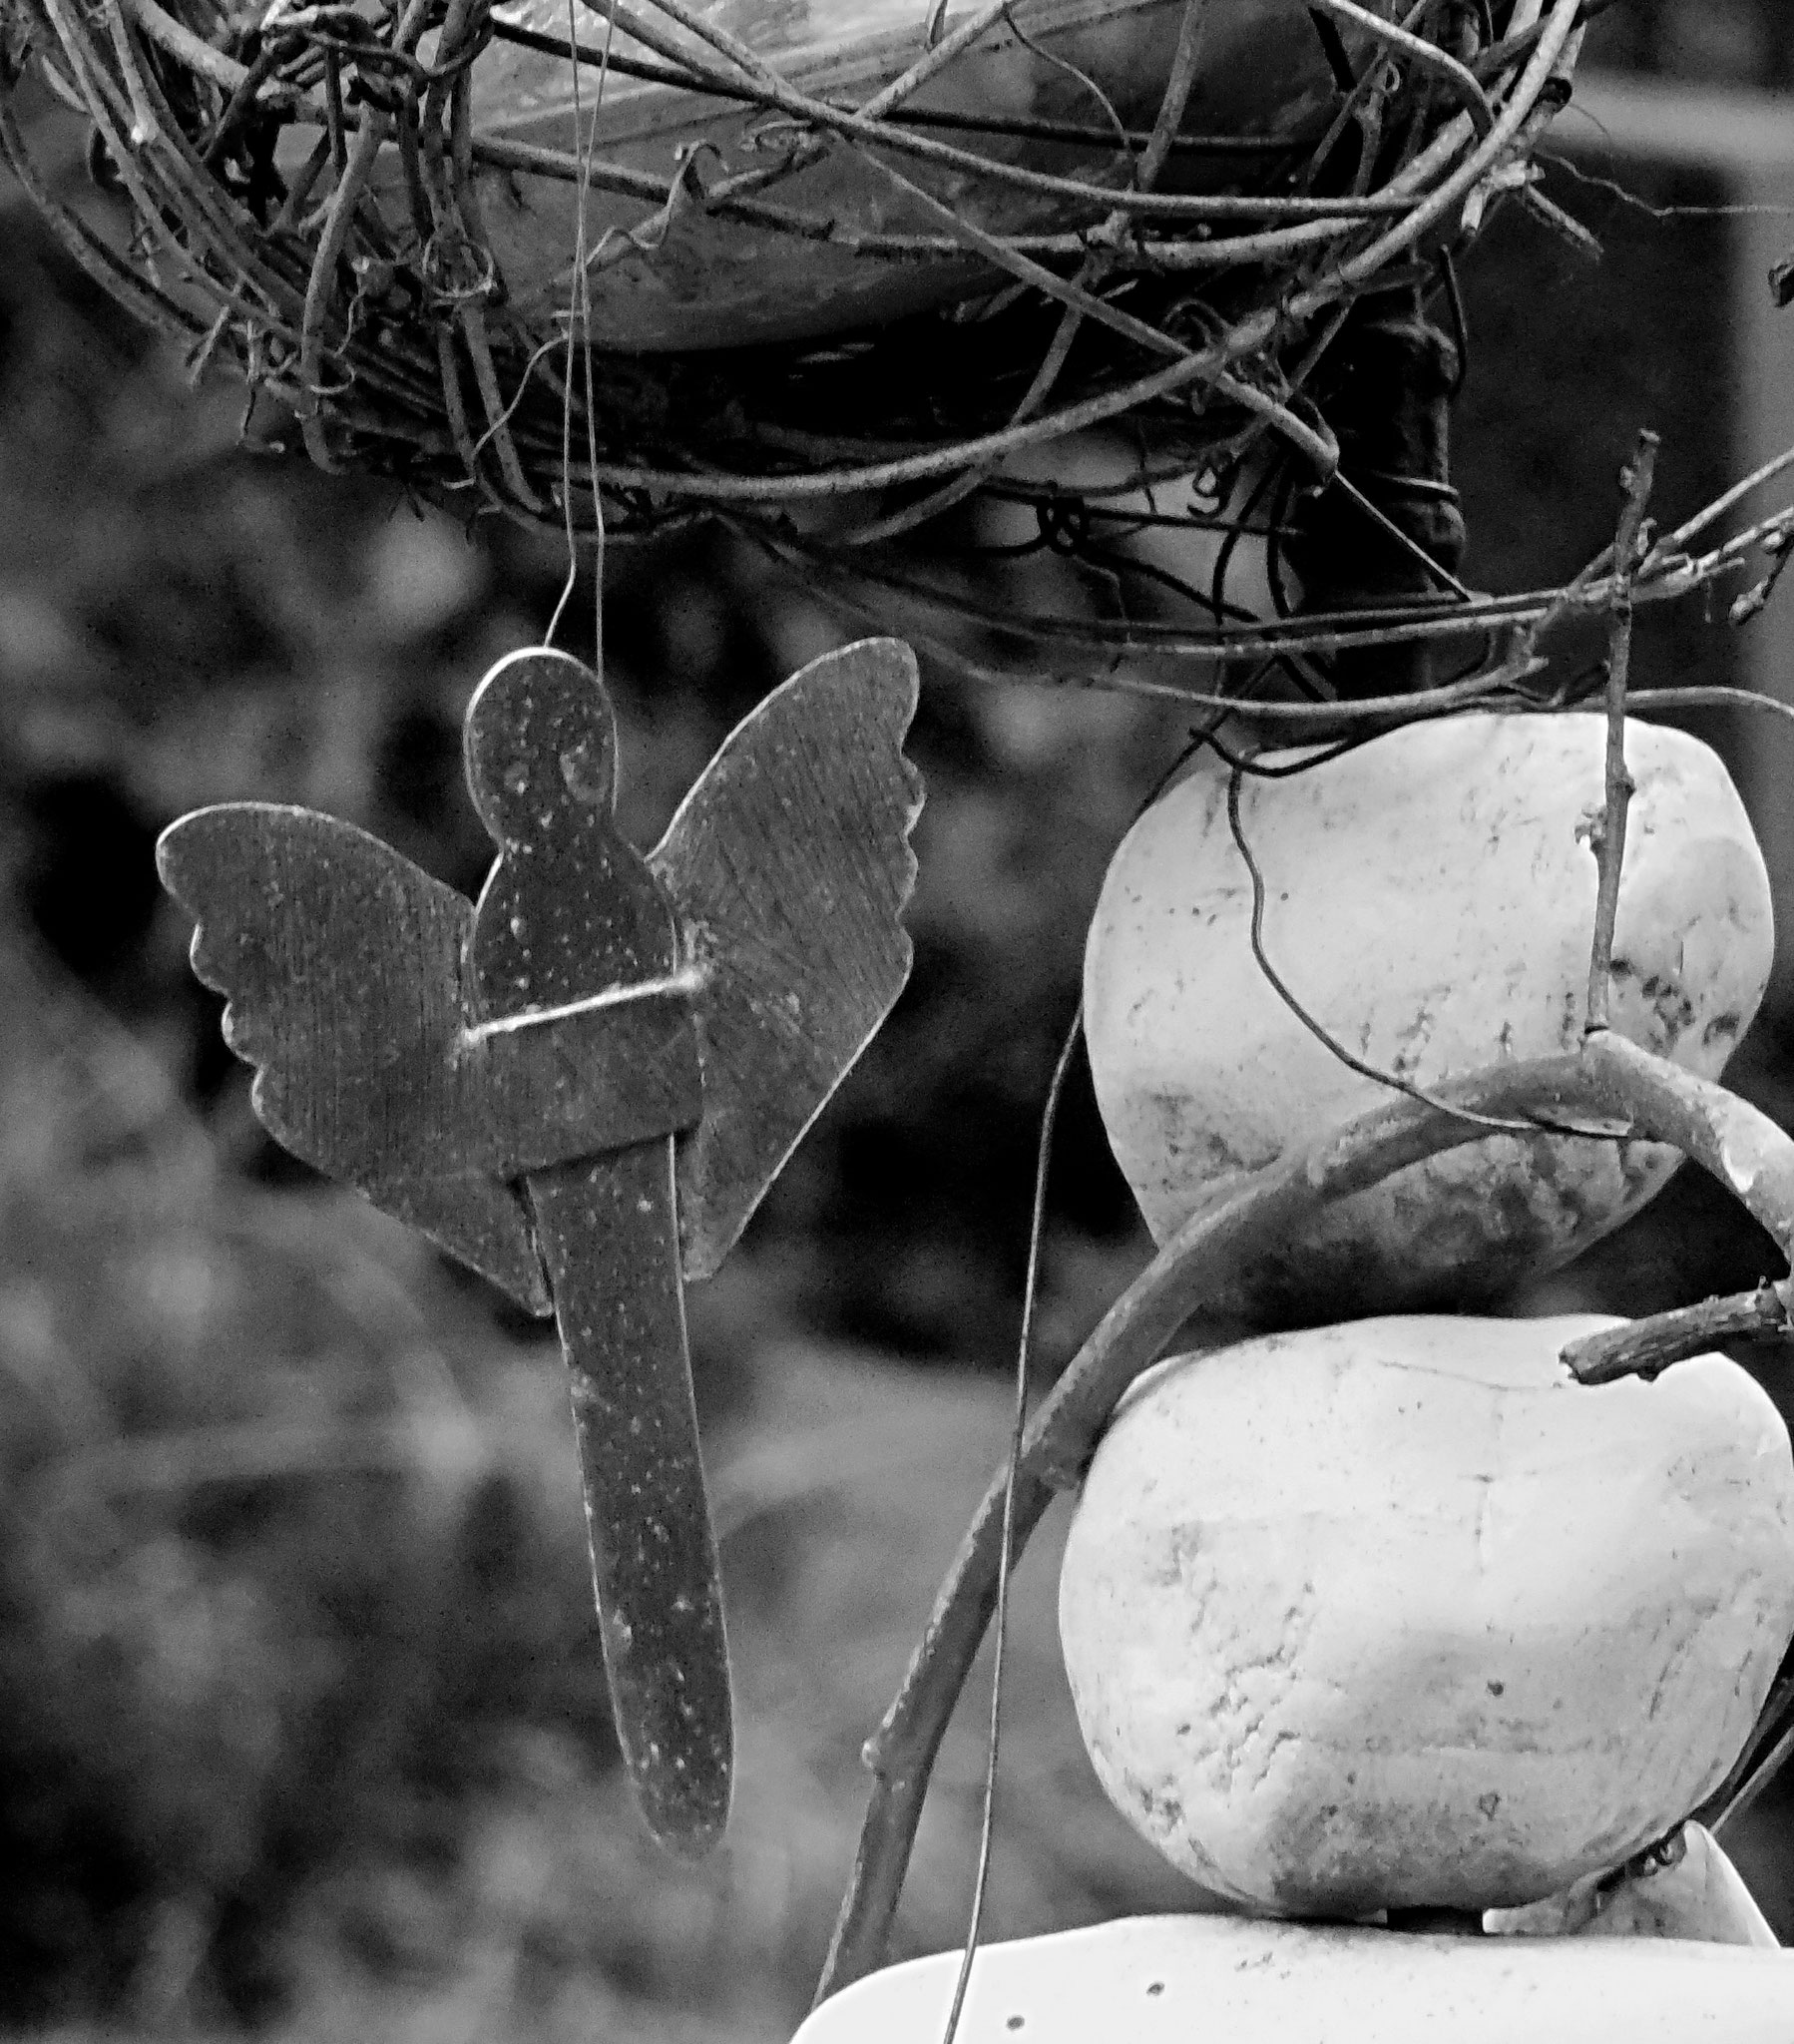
(1609, 837)
(1752, 1157)
(1644, 1349)
(1727, 1137)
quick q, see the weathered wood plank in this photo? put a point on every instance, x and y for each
(341, 965)
(791, 867)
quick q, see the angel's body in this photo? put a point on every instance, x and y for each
(583, 1087)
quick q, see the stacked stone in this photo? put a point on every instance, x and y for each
(1384, 1611)
(1380, 1624)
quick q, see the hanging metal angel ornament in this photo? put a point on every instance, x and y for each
(582, 1085)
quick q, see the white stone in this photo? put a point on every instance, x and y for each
(1190, 1979)
(1398, 1613)
(1430, 901)
(1695, 1893)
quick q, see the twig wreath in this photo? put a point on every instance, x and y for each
(333, 202)
(350, 206)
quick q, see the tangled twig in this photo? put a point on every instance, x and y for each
(355, 278)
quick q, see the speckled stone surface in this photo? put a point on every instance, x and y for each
(1396, 1614)
(1429, 899)
(1173, 1979)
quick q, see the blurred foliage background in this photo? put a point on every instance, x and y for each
(301, 1720)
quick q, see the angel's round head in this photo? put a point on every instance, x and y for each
(539, 741)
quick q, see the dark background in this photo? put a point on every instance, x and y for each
(300, 1707)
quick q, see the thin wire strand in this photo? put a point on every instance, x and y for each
(1018, 1428)
(579, 323)
(1765, 1753)
(1637, 204)
(579, 297)
(1761, 1780)
(1495, 1124)
(1018, 1423)
(1405, 541)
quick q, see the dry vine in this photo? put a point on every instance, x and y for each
(311, 190)
(360, 287)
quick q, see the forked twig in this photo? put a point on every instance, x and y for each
(1607, 840)
(1753, 1158)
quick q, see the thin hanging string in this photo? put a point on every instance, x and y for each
(1030, 1298)
(1198, 737)
(1240, 767)
(579, 324)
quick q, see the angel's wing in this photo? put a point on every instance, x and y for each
(789, 864)
(341, 964)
